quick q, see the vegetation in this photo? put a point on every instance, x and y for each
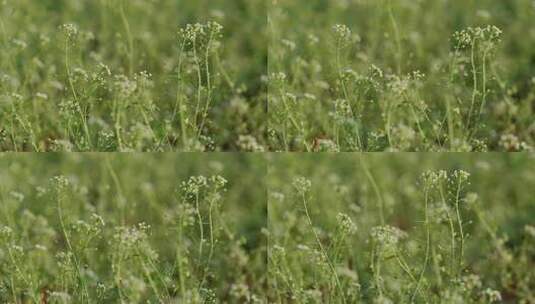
(331, 76)
(100, 228)
(400, 75)
(132, 75)
(403, 228)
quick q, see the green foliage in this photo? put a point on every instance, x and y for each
(97, 228)
(117, 75)
(401, 75)
(401, 228)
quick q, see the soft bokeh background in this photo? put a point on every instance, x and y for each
(125, 190)
(34, 62)
(302, 45)
(502, 184)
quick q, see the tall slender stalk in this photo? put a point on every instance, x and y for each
(322, 249)
(375, 189)
(129, 38)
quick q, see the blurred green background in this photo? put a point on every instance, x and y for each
(302, 45)
(33, 62)
(497, 245)
(125, 190)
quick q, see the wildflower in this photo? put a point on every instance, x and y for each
(492, 295)
(313, 295)
(5, 232)
(42, 96)
(277, 196)
(342, 108)
(40, 247)
(313, 39)
(239, 291)
(124, 86)
(19, 197)
(346, 224)
(277, 77)
(186, 215)
(249, 143)
(97, 219)
(434, 178)
(278, 251)
(193, 33)
(510, 142)
(70, 30)
(60, 182)
(80, 74)
(131, 237)
(289, 44)
(461, 175)
(194, 184)
(349, 75)
(17, 97)
(468, 37)
(438, 212)
(471, 282)
(20, 44)
(301, 185)
(376, 72)
(208, 295)
(530, 230)
(18, 249)
(387, 235)
(309, 96)
(342, 32)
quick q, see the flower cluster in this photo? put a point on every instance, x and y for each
(342, 32)
(461, 175)
(195, 185)
(193, 33)
(437, 178)
(387, 235)
(60, 182)
(467, 38)
(301, 184)
(346, 224)
(70, 30)
(434, 178)
(131, 237)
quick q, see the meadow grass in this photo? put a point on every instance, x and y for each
(397, 75)
(118, 75)
(403, 228)
(286, 228)
(137, 228)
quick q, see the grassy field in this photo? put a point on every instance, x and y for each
(282, 228)
(401, 75)
(404, 228)
(132, 75)
(137, 228)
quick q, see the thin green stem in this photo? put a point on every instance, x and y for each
(474, 80)
(75, 96)
(77, 265)
(322, 249)
(398, 54)
(427, 242)
(129, 38)
(208, 84)
(460, 223)
(452, 229)
(376, 190)
(179, 106)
